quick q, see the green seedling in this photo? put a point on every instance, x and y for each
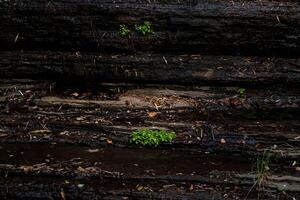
(147, 137)
(144, 28)
(241, 91)
(124, 31)
(261, 170)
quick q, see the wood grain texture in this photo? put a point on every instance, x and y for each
(238, 27)
(155, 68)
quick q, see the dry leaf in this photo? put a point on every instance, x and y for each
(152, 114)
(64, 133)
(139, 187)
(80, 169)
(223, 141)
(109, 141)
(80, 118)
(27, 168)
(191, 188)
(75, 94)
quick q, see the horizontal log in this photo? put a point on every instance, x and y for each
(88, 175)
(155, 68)
(268, 27)
(203, 100)
(248, 144)
(35, 188)
(84, 162)
(246, 122)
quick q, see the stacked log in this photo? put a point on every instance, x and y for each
(223, 75)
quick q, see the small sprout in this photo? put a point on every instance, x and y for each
(262, 170)
(241, 91)
(262, 167)
(147, 137)
(144, 28)
(124, 31)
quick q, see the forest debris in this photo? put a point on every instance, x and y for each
(75, 94)
(109, 141)
(92, 150)
(16, 38)
(222, 141)
(64, 133)
(139, 187)
(165, 60)
(152, 114)
(80, 169)
(27, 168)
(62, 194)
(40, 132)
(80, 118)
(165, 187)
(297, 138)
(191, 188)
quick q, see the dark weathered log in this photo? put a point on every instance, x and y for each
(179, 69)
(58, 137)
(202, 118)
(23, 188)
(268, 27)
(91, 176)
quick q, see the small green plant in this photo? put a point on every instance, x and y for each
(261, 170)
(144, 28)
(124, 30)
(147, 137)
(241, 91)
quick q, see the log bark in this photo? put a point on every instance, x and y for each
(42, 178)
(239, 27)
(223, 75)
(202, 117)
(150, 68)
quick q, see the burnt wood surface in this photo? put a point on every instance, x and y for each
(150, 68)
(223, 75)
(202, 117)
(227, 27)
